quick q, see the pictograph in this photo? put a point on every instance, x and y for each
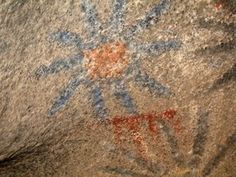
(110, 54)
(133, 125)
(193, 164)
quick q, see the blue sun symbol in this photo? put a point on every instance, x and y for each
(111, 55)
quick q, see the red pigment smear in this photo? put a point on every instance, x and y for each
(132, 124)
(218, 5)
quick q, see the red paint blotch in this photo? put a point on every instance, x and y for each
(132, 124)
(218, 5)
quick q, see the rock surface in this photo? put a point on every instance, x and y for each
(117, 88)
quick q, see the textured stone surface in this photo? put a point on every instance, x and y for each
(118, 88)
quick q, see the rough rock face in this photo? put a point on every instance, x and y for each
(118, 88)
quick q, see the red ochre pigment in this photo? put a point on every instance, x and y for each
(218, 5)
(132, 124)
(108, 60)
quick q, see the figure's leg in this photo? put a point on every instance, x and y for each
(123, 96)
(58, 65)
(65, 95)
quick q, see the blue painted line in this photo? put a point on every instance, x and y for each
(65, 95)
(98, 102)
(123, 96)
(199, 141)
(116, 18)
(229, 75)
(91, 16)
(94, 39)
(159, 46)
(67, 38)
(151, 17)
(97, 40)
(172, 140)
(154, 87)
(58, 65)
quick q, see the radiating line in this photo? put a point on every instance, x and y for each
(117, 14)
(214, 162)
(228, 76)
(220, 48)
(65, 95)
(173, 142)
(91, 16)
(98, 102)
(95, 42)
(150, 17)
(227, 27)
(123, 96)
(58, 65)
(200, 138)
(159, 47)
(199, 141)
(154, 87)
(67, 38)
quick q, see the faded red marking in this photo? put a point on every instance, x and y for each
(132, 124)
(218, 5)
(108, 60)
